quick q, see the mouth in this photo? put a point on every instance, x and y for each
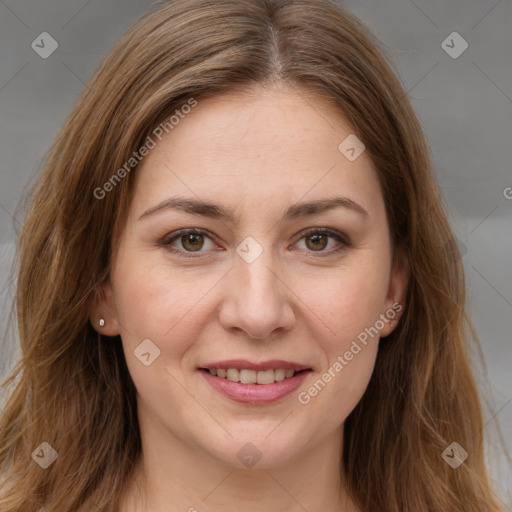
(248, 376)
(254, 383)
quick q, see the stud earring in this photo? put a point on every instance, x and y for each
(102, 322)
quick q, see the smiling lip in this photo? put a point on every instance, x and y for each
(274, 364)
(255, 394)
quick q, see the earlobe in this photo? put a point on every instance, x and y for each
(397, 291)
(103, 317)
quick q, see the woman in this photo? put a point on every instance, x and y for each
(312, 355)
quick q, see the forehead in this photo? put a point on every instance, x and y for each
(282, 121)
(259, 145)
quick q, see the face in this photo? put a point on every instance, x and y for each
(263, 278)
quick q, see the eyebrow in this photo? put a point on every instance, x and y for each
(215, 211)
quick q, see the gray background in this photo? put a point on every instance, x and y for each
(463, 103)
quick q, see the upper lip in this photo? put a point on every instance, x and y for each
(274, 364)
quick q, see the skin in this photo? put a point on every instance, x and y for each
(257, 153)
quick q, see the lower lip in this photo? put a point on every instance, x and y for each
(255, 394)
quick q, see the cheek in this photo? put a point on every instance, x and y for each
(348, 300)
(346, 309)
(349, 347)
(158, 302)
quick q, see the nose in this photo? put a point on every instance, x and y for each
(257, 299)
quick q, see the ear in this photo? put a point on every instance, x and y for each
(397, 291)
(104, 307)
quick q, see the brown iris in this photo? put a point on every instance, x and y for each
(317, 239)
(194, 241)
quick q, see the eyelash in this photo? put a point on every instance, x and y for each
(168, 239)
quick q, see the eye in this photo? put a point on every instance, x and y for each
(317, 239)
(192, 240)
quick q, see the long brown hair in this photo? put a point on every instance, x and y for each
(73, 389)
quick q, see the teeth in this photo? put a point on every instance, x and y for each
(233, 374)
(261, 377)
(279, 375)
(247, 376)
(252, 376)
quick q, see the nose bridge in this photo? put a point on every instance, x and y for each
(259, 304)
(258, 286)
